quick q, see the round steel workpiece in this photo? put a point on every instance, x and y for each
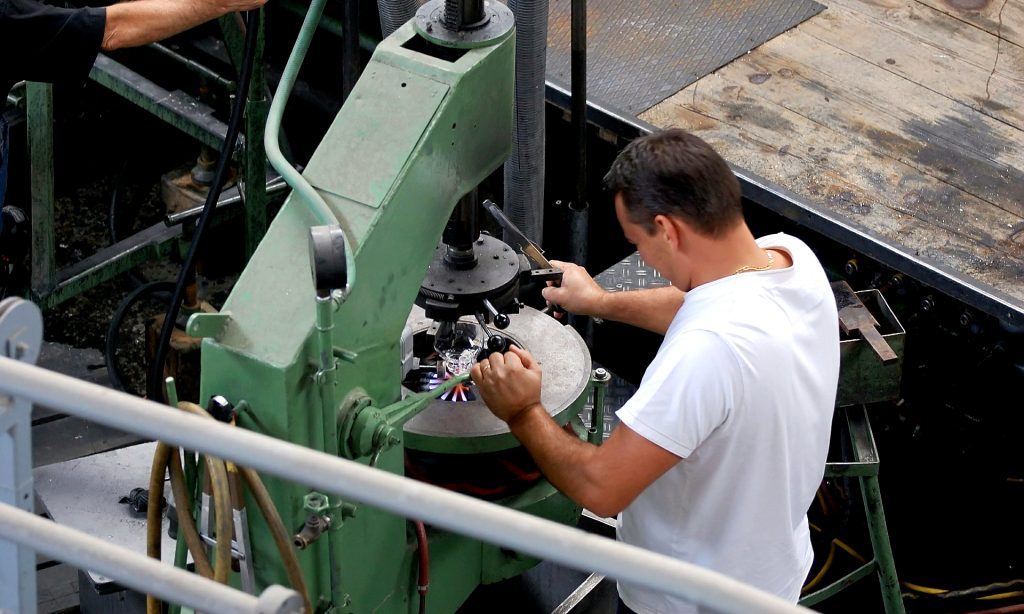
(497, 24)
(469, 427)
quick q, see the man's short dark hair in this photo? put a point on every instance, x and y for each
(676, 173)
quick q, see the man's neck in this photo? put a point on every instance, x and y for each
(715, 258)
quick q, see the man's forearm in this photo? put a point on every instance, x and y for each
(131, 24)
(651, 309)
(566, 461)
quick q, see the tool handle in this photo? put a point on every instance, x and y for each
(878, 344)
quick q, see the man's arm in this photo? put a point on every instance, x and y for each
(603, 479)
(651, 309)
(130, 24)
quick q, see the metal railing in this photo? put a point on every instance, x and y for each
(459, 513)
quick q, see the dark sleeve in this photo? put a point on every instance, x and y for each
(39, 42)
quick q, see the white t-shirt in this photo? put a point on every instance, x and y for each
(742, 389)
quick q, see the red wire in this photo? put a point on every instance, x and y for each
(424, 551)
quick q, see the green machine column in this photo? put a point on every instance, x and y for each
(422, 127)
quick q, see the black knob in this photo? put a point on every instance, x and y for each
(501, 321)
(497, 343)
(220, 408)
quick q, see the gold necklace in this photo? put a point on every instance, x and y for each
(745, 268)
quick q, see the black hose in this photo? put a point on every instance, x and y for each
(161, 291)
(187, 274)
(115, 197)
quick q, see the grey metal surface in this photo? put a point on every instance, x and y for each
(83, 494)
(392, 493)
(550, 342)
(631, 273)
(643, 52)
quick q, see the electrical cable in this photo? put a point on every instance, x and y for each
(187, 274)
(115, 195)
(423, 549)
(161, 291)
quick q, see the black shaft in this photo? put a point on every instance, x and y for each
(351, 61)
(462, 230)
(579, 99)
(461, 13)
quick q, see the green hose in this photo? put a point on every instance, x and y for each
(317, 206)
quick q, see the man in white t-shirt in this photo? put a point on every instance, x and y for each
(720, 451)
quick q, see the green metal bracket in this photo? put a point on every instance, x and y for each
(864, 466)
(207, 324)
(599, 379)
(376, 429)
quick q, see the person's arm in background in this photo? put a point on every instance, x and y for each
(140, 22)
(651, 309)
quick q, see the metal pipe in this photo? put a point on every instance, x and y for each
(329, 24)
(579, 222)
(272, 187)
(351, 58)
(131, 569)
(578, 64)
(600, 379)
(328, 372)
(321, 212)
(393, 493)
(195, 67)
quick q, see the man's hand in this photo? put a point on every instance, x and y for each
(509, 383)
(578, 292)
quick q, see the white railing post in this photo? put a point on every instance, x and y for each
(21, 336)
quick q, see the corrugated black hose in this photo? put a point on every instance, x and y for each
(154, 384)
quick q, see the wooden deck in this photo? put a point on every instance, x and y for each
(903, 117)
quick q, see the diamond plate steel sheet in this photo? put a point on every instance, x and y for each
(640, 53)
(630, 273)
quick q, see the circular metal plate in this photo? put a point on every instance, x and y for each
(497, 267)
(469, 427)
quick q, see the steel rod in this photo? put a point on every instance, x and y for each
(393, 493)
(127, 567)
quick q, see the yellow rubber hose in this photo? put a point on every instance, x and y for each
(278, 532)
(153, 522)
(270, 514)
(183, 502)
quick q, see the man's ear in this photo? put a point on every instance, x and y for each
(669, 229)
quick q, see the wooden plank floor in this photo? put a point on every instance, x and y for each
(903, 117)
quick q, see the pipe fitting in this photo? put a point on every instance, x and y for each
(316, 525)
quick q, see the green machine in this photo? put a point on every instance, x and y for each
(308, 353)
